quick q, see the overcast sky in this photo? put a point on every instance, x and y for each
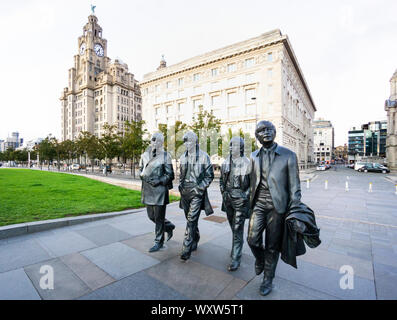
(346, 49)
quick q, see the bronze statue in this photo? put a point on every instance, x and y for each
(234, 185)
(275, 196)
(196, 174)
(157, 175)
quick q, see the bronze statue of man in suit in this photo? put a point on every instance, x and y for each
(196, 176)
(157, 175)
(274, 188)
(234, 185)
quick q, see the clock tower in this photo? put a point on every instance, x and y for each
(99, 91)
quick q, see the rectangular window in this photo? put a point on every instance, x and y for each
(231, 67)
(232, 99)
(216, 101)
(181, 107)
(249, 62)
(270, 91)
(269, 73)
(157, 88)
(270, 57)
(196, 104)
(169, 85)
(249, 94)
(196, 77)
(180, 82)
(214, 72)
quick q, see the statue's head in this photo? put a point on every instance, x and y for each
(157, 140)
(265, 132)
(190, 140)
(236, 146)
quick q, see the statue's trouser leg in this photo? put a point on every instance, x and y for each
(236, 220)
(157, 215)
(169, 226)
(192, 234)
(257, 225)
(273, 238)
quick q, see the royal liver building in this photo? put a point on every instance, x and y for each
(99, 91)
(391, 109)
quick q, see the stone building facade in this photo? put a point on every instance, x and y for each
(324, 137)
(242, 83)
(391, 139)
(99, 91)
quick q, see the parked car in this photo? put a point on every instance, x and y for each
(351, 165)
(321, 167)
(358, 165)
(76, 166)
(374, 167)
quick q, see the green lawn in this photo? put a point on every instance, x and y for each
(29, 195)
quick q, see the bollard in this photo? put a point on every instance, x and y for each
(307, 184)
(396, 189)
(326, 184)
(370, 187)
(347, 186)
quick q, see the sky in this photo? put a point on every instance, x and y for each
(347, 49)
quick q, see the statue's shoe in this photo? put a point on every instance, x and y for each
(170, 234)
(266, 286)
(233, 266)
(156, 247)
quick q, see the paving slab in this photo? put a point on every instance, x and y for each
(139, 286)
(282, 290)
(232, 289)
(326, 280)
(218, 258)
(67, 285)
(362, 268)
(15, 285)
(385, 276)
(191, 279)
(93, 276)
(119, 260)
(144, 242)
(19, 254)
(62, 244)
(103, 234)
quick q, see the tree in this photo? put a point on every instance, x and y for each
(207, 123)
(110, 142)
(134, 142)
(46, 151)
(69, 148)
(58, 148)
(87, 145)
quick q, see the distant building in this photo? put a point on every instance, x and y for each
(391, 140)
(256, 79)
(323, 137)
(341, 152)
(12, 142)
(32, 143)
(369, 141)
(99, 91)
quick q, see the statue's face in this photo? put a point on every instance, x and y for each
(156, 142)
(235, 147)
(190, 143)
(265, 132)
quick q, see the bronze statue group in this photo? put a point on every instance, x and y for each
(264, 189)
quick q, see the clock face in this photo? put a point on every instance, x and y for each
(98, 50)
(82, 48)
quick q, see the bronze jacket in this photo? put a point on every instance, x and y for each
(283, 178)
(204, 173)
(242, 179)
(159, 167)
